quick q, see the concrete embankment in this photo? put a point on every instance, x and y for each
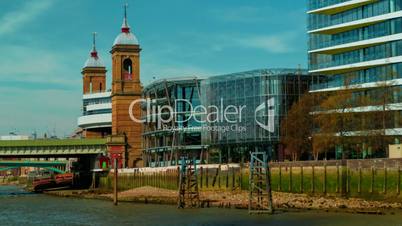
(239, 199)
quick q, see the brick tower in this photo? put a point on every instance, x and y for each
(126, 87)
(94, 73)
(94, 81)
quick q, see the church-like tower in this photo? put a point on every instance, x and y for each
(93, 73)
(126, 87)
(94, 81)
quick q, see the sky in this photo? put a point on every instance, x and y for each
(44, 45)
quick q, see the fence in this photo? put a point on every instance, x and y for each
(221, 177)
(377, 178)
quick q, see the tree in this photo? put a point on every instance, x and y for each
(297, 127)
(335, 121)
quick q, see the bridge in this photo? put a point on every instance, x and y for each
(46, 153)
(56, 166)
(48, 148)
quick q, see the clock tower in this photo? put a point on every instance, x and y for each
(126, 88)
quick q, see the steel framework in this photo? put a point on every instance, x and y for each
(260, 197)
(188, 185)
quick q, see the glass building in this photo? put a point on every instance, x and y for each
(166, 139)
(357, 45)
(264, 97)
(218, 119)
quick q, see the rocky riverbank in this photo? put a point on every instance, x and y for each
(239, 199)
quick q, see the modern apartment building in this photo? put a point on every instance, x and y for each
(357, 45)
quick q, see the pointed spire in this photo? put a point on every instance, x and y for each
(125, 28)
(94, 53)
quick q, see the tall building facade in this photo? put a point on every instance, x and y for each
(96, 119)
(357, 46)
(126, 88)
(106, 113)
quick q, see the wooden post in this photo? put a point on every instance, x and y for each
(201, 174)
(227, 178)
(290, 178)
(384, 189)
(359, 185)
(115, 183)
(372, 179)
(312, 180)
(301, 179)
(347, 180)
(324, 185)
(178, 177)
(337, 177)
(219, 176)
(93, 180)
(206, 177)
(280, 179)
(398, 179)
(233, 179)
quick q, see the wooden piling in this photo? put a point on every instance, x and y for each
(290, 178)
(359, 185)
(324, 181)
(280, 179)
(337, 178)
(301, 179)
(312, 179)
(384, 188)
(115, 192)
(201, 176)
(372, 179)
(398, 179)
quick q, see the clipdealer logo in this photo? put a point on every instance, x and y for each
(267, 109)
(230, 114)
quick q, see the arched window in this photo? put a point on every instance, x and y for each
(100, 87)
(127, 69)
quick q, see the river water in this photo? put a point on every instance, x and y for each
(18, 207)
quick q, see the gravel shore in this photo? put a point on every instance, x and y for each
(239, 199)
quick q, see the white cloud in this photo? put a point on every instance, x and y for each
(275, 43)
(244, 14)
(31, 64)
(13, 21)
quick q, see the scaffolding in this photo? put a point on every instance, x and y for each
(260, 197)
(188, 186)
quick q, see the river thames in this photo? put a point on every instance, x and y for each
(23, 208)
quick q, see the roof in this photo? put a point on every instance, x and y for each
(174, 80)
(126, 38)
(260, 72)
(94, 62)
(51, 142)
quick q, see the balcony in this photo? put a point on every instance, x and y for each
(96, 95)
(356, 66)
(325, 87)
(95, 121)
(95, 107)
(357, 45)
(333, 7)
(329, 30)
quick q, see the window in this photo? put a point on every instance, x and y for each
(127, 69)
